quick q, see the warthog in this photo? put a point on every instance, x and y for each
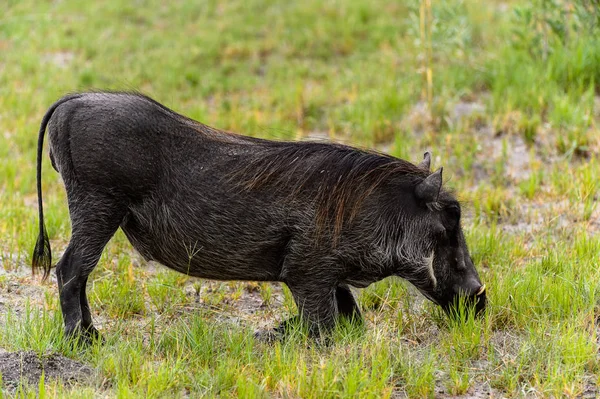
(319, 217)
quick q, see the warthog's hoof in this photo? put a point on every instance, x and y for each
(279, 333)
(268, 336)
(84, 337)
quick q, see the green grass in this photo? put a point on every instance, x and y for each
(356, 72)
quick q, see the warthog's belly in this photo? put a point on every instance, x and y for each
(203, 246)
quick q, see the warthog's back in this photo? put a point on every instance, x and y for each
(126, 141)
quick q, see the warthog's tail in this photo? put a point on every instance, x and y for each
(42, 254)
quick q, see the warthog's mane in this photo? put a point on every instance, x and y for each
(338, 177)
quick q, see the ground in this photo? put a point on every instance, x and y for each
(504, 94)
(29, 366)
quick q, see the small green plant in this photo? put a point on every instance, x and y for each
(458, 383)
(529, 127)
(531, 186)
(266, 293)
(118, 293)
(417, 376)
(166, 291)
(497, 205)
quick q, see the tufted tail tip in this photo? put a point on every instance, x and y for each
(42, 256)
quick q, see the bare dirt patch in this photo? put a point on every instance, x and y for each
(17, 287)
(28, 366)
(60, 59)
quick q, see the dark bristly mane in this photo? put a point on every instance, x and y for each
(338, 177)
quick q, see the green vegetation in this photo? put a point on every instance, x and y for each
(504, 94)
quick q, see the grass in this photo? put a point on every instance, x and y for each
(504, 94)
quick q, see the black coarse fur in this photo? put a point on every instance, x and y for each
(346, 177)
(318, 217)
(42, 253)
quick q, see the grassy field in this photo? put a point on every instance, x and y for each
(503, 93)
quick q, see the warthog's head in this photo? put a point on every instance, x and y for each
(435, 245)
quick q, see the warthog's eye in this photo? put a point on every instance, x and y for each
(453, 212)
(452, 216)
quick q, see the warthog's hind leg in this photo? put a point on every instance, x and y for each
(94, 220)
(87, 326)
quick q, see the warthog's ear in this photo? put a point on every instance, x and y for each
(429, 189)
(426, 162)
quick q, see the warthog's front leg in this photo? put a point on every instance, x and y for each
(316, 303)
(346, 307)
(346, 304)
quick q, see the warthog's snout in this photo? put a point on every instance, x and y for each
(474, 298)
(480, 299)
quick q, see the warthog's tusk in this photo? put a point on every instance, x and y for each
(481, 290)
